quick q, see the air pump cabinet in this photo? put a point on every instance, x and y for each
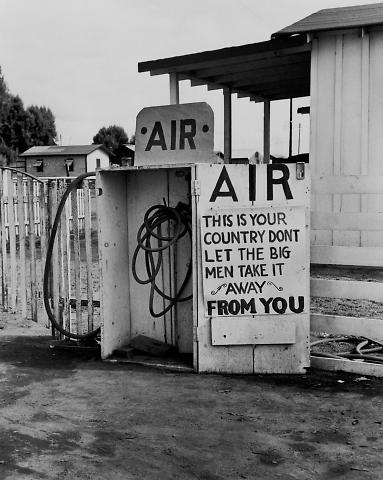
(249, 252)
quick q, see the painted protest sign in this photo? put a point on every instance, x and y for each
(254, 261)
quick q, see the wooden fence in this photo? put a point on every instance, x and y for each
(348, 236)
(27, 209)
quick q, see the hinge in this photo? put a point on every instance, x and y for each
(196, 189)
(196, 334)
(300, 170)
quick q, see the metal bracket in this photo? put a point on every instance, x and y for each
(300, 171)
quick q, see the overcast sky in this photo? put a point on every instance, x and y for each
(79, 58)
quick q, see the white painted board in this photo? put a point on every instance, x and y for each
(170, 134)
(261, 330)
(257, 190)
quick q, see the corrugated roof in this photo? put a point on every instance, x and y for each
(336, 18)
(42, 151)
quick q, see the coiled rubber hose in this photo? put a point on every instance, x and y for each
(153, 241)
(358, 352)
(47, 268)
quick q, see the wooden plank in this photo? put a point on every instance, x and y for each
(259, 330)
(76, 259)
(338, 107)
(347, 289)
(65, 252)
(352, 184)
(178, 192)
(350, 366)
(3, 258)
(338, 255)
(346, 221)
(22, 239)
(266, 131)
(44, 224)
(227, 118)
(371, 328)
(116, 297)
(53, 187)
(174, 89)
(88, 253)
(32, 250)
(61, 187)
(12, 244)
(364, 119)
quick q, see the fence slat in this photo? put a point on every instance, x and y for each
(88, 253)
(356, 256)
(3, 250)
(55, 295)
(12, 244)
(353, 290)
(65, 249)
(44, 226)
(4, 256)
(76, 258)
(22, 240)
(32, 250)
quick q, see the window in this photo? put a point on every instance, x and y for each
(98, 163)
(39, 165)
(69, 165)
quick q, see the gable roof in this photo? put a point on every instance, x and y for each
(42, 151)
(336, 18)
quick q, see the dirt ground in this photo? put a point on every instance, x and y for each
(71, 416)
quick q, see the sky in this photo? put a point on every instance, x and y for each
(79, 58)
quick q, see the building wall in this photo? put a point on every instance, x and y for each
(92, 160)
(346, 137)
(55, 165)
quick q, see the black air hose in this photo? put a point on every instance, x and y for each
(47, 268)
(152, 240)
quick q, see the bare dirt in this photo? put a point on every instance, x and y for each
(67, 415)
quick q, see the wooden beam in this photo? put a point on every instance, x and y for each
(346, 221)
(227, 125)
(263, 77)
(262, 67)
(266, 131)
(351, 256)
(174, 90)
(350, 366)
(224, 57)
(354, 290)
(355, 184)
(371, 328)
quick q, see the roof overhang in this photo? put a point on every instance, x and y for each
(272, 70)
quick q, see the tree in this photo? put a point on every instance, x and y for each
(22, 128)
(41, 126)
(111, 137)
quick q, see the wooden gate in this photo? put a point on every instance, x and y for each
(27, 209)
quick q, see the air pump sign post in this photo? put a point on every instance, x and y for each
(253, 267)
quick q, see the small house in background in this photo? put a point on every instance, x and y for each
(65, 161)
(125, 154)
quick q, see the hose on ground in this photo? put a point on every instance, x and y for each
(358, 352)
(47, 267)
(161, 229)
